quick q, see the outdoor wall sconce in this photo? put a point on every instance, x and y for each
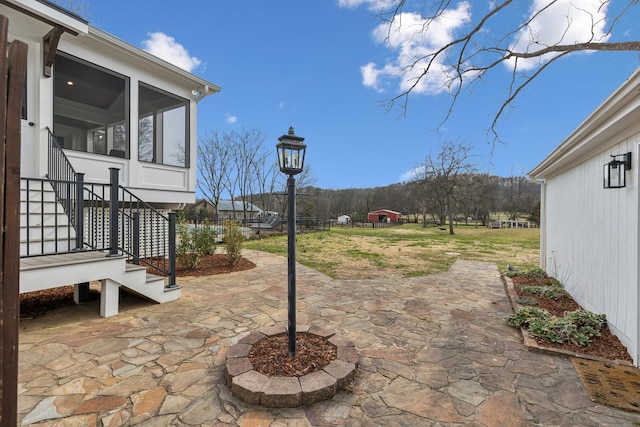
(615, 171)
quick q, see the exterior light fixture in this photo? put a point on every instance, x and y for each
(615, 171)
(291, 151)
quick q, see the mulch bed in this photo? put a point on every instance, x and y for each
(607, 346)
(215, 264)
(271, 355)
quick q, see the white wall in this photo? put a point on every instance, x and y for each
(591, 239)
(155, 183)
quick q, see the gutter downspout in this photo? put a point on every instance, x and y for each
(543, 219)
(201, 93)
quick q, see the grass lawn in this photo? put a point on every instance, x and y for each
(407, 250)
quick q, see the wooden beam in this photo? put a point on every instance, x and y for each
(10, 271)
(6, 412)
(50, 48)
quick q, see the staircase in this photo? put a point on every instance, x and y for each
(44, 225)
(50, 258)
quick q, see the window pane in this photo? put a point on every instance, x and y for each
(145, 139)
(162, 127)
(90, 106)
(174, 137)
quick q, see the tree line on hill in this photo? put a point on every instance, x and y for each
(477, 197)
(445, 186)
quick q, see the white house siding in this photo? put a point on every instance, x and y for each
(164, 185)
(150, 180)
(591, 240)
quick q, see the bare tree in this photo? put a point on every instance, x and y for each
(442, 177)
(303, 180)
(214, 158)
(248, 157)
(444, 50)
(513, 196)
(266, 178)
(477, 198)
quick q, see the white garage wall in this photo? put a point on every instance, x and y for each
(592, 240)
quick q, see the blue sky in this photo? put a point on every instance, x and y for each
(318, 66)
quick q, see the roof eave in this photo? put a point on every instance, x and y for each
(579, 138)
(104, 37)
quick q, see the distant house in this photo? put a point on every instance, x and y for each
(344, 219)
(384, 215)
(589, 236)
(228, 209)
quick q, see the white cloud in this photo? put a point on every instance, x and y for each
(413, 174)
(370, 76)
(407, 37)
(231, 119)
(563, 22)
(376, 5)
(281, 105)
(166, 47)
(411, 37)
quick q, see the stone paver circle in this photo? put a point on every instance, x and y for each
(255, 388)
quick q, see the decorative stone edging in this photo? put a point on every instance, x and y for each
(531, 342)
(255, 388)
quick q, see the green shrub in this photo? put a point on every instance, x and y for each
(577, 326)
(525, 315)
(552, 291)
(194, 243)
(186, 254)
(204, 238)
(233, 240)
(532, 272)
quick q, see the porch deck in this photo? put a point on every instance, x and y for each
(79, 257)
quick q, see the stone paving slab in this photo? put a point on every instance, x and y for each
(431, 351)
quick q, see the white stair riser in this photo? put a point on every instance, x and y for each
(38, 208)
(49, 220)
(47, 233)
(38, 196)
(49, 247)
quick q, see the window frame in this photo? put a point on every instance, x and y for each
(157, 117)
(87, 146)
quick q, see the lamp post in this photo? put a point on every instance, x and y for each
(291, 152)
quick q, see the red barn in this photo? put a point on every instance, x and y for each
(384, 215)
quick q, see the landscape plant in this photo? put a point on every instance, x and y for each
(233, 241)
(194, 242)
(577, 326)
(553, 290)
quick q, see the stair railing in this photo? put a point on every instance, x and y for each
(62, 177)
(144, 234)
(110, 217)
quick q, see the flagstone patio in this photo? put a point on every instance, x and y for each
(433, 350)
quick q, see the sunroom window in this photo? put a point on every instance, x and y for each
(162, 127)
(90, 107)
